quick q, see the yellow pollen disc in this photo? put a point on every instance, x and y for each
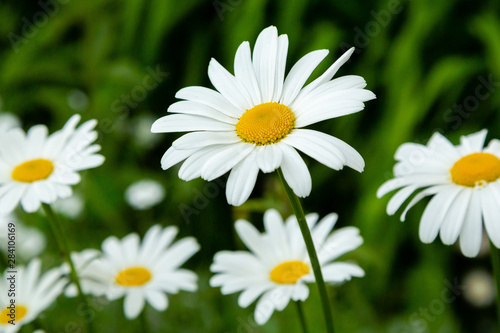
(475, 168)
(12, 314)
(265, 123)
(289, 272)
(133, 277)
(31, 171)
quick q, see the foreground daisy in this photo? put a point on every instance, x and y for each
(277, 267)
(464, 182)
(256, 118)
(39, 168)
(33, 294)
(140, 272)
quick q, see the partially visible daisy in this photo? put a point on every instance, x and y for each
(71, 207)
(34, 294)
(277, 267)
(8, 121)
(144, 194)
(141, 272)
(479, 288)
(256, 119)
(39, 168)
(30, 241)
(464, 183)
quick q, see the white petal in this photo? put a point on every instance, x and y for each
(490, 203)
(329, 73)
(223, 161)
(399, 198)
(187, 123)
(280, 67)
(435, 212)
(133, 303)
(196, 140)
(264, 61)
(328, 110)
(229, 86)
(269, 157)
(157, 299)
(210, 98)
(173, 156)
(241, 181)
(295, 172)
(245, 73)
(299, 74)
(198, 109)
(453, 222)
(318, 146)
(473, 143)
(248, 296)
(422, 194)
(472, 230)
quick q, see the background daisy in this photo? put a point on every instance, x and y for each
(255, 119)
(39, 168)
(277, 267)
(34, 293)
(464, 183)
(140, 271)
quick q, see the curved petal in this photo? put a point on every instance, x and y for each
(245, 73)
(187, 123)
(241, 180)
(295, 172)
(210, 98)
(264, 61)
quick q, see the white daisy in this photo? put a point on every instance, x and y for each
(36, 167)
(144, 194)
(29, 242)
(256, 118)
(464, 182)
(33, 294)
(277, 266)
(141, 272)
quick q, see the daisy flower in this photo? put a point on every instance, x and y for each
(144, 194)
(277, 267)
(140, 272)
(464, 183)
(255, 119)
(39, 168)
(33, 294)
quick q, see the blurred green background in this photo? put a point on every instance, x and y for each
(433, 64)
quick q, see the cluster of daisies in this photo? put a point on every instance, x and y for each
(254, 121)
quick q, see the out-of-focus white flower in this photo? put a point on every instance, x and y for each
(34, 293)
(36, 167)
(141, 131)
(278, 267)
(8, 120)
(77, 100)
(138, 271)
(30, 241)
(479, 288)
(144, 194)
(71, 207)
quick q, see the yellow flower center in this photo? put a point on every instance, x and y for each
(475, 168)
(31, 171)
(289, 272)
(265, 123)
(133, 277)
(15, 314)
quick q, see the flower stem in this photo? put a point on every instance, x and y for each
(62, 244)
(495, 261)
(313, 256)
(302, 318)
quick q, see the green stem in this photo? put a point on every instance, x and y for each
(62, 244)
(302, 317)
(313, 256)
(495, 261)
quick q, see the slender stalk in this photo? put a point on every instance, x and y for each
(62, 244)
(495, 261)
(313, 256)
(302, 317)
